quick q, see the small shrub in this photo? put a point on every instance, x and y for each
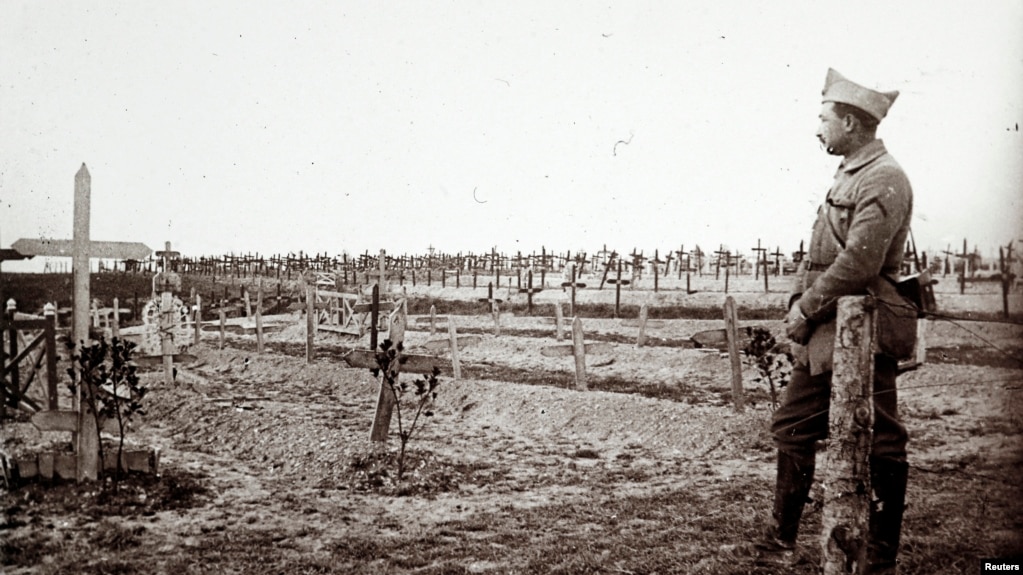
(389, 360)
(109, 384)
(773, 360)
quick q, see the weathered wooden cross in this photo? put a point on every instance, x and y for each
(777, 260)
(578, 349)
(572, 284)
(618, 283)
(607, 267)
(529, 291)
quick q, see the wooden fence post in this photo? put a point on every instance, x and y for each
(198, 317)
(50, 313)
(456, 365)
(223, 325)
(846, 480)
(579, 353)
(310, 321)
(259, 315)
(732, 334)
(641, 339)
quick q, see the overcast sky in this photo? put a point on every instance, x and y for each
(238, 126)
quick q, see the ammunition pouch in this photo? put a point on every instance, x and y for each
(897, 313)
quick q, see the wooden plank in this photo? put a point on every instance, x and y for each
(364, 358)
(636, 322)
(718, 338)
(337, 295)
(23, 324)
(11, 255)
(97, 249)
(368, 307)
(65, 420)
(445, 344)
(13, 363)
(568, 349)
(157, 360)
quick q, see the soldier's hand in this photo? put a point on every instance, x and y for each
(797, 327)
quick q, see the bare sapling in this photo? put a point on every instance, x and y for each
(424, 389)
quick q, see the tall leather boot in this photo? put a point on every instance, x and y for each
(888, 478)
(795, 477)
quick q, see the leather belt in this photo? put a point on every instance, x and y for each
(815, 267)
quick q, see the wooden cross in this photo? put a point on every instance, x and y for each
(529, 291)
(698, 254)
(949, 254)
(777, 260)
(797, 257)
(607, 267)
(1004, 259)
(618, 283)
(572, 284)
(492, 307)
(681, 253)
(667, 264)
(578, 349)
(721, 253)
(637, 265)
(656, 263)
(580, 260)
(760, 252)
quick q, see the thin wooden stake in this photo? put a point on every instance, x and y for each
(223, 326)
(50, 314)
(558, 318)
(259, 315)
(456, 365)
(310, 322)
(579, 353)
(731, 331)
(641, 339)
(198, 318)
(115, 326)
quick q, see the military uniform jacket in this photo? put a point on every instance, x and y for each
(858, 239)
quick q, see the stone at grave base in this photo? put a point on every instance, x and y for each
(140, 460)
(55, 466)
(50, 466)
(46, 465)
(27, 467)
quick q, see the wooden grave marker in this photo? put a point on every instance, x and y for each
(81, 249)
(618, 283)
(573, 285)
(530, 291)
(731, 332)
(578, 349)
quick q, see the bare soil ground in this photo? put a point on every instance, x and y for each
(266, 465)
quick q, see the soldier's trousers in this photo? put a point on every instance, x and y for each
(802, 419)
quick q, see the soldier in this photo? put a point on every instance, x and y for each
(856, 248)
